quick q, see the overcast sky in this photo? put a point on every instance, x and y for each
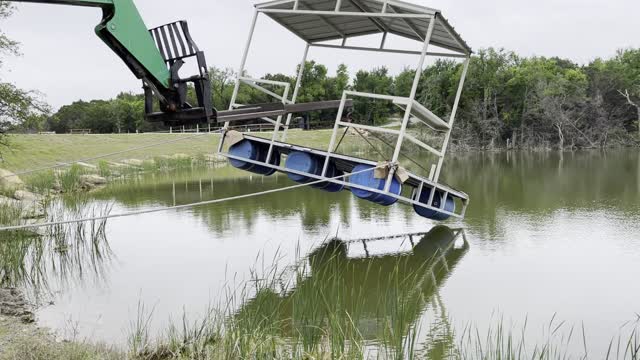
(64, 59)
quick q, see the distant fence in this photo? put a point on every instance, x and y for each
(259, 127)
(208, 128)
(80, 131)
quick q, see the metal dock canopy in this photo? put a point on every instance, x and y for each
(323, 23)
(317, 21)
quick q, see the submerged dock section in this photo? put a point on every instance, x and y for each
(330, 24)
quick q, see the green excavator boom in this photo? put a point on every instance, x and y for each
(156, 56)
(124, 31)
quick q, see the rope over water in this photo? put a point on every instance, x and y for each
(178, 207)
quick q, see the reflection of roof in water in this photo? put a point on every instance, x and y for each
(369, 289)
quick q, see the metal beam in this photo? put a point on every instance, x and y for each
(454, 34)
(412, 96)
(334, 134)
(243, 62)
(267, 91)
(423, 145)
(375, 96)
(385, 5)
(452, 119)
(369, 128)
(284, 97)
(327, 22)
(265, 81)
(240, 74)
(394, 51)
(412, 7)
(409, 23)
(408, 6)
(275, 109)
(343, 13)
(383, 41)
(296, 89)
(273, 3)
(379, 24)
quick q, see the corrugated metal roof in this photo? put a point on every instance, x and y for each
(325, 26)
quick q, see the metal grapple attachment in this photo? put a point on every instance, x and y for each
(175, 44)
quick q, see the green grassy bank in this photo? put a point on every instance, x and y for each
(33, 151)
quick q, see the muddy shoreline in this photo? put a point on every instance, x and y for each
(22, 338)
(14, 304)
(17, 323)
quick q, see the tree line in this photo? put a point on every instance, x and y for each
(508, 100)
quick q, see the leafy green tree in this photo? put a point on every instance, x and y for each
(128, 112)
(403, 82)
(438, 86)
(7, 46)
(629, 63)
(124, 114)
(33, 124)
(484, 89)
(376, 81)
(16, 105)
(221, 86)
(314, 83)
(338, 84)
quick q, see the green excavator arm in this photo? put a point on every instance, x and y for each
(156, 55)
(124, 31)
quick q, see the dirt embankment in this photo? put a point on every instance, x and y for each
(13, 304)
(21, 338)
(17, 324)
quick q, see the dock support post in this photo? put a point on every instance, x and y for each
(412, 97)
(240, 73)
(294, 97)
(276, 126)
(452, 119)
(334, 135)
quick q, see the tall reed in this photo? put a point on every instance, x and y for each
(333, 307)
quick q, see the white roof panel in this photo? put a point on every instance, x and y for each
(316, 21)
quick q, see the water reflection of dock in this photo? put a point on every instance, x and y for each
(379, 294)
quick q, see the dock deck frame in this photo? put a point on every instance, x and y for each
(389, 11)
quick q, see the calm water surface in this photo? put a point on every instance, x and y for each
(548, 234)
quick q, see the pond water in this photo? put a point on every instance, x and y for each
(549, 236)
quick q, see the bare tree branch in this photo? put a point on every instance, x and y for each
(627, 96)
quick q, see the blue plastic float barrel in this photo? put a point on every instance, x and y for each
(312, 164)
(367, 179)
(450, 205)
(255, 151)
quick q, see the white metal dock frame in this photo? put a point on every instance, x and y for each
(320, 22)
